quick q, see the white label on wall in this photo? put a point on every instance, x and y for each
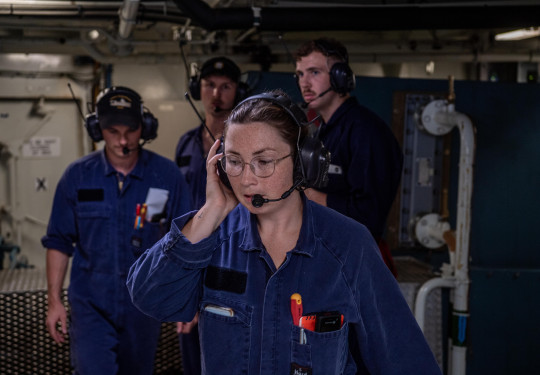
(41, 147)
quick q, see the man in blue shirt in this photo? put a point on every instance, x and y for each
(366, 157)
(109, 207)
(219, 88)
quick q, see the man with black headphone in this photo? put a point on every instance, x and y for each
(366, 158)
(219, 88)
(109, 207)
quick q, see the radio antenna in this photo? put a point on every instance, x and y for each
(184, 59)
(289, 54)
(75, 100)
(188, 97)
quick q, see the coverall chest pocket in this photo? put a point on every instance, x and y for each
(336, 174)
(224, 330)
(94, 226)
(324, 352)
(143, 238)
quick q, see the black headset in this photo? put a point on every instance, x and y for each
(242, 89)
(313, 159)
(342, 78)
(149, 122)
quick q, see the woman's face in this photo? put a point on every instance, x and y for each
(259, 140)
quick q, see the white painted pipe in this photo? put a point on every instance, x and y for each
(438, 118)
(423, 293)
(465, 184)
(128, 17)
(458, 355)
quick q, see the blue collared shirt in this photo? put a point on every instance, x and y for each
(191, 160)
(335, 266)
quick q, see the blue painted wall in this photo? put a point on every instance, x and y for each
(504, 328)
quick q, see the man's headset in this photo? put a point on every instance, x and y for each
(313, 160)
(149, 123)
(242, 88)
(342, 78)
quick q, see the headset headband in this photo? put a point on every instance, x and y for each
(283, 102)
(328, 50)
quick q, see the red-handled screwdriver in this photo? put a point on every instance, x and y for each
(296, 308)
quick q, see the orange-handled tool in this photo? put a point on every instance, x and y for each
(296, 308)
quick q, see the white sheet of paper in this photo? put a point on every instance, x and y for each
(155, 201)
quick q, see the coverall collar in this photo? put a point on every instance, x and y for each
(306, 241)
(137, 172)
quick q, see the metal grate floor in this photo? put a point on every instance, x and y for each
(412, 274)
(25, 345)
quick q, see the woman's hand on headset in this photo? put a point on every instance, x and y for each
(216, 191)
(220, 200)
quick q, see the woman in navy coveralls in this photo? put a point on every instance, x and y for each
(239, 265)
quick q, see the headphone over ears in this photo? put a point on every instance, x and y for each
(342, 78)
(242, 89)
(313, 159)
(148, 121)
(195, 87)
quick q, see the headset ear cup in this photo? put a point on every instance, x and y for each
(242, 92)
(342, 78)
(149, 126)
(195, 87)
(315, 161)
(91, 124)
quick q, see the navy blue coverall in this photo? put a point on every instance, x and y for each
(191, 160)
(245, 323)
(93, 221)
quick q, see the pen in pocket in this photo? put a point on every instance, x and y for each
(302, 339)
(137, 216)
(143, 214)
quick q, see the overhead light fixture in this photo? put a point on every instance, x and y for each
(430, 68)
(519, 34)
(93, 34)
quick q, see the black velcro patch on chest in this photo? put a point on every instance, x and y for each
(225, 279)
(182, 161)
(90, 195)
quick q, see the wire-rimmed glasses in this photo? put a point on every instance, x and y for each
(261, 166)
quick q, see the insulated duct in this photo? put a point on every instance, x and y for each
(128, 17)
(383, 17)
